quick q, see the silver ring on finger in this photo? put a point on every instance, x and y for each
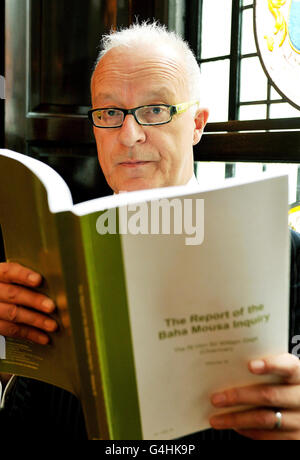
(278, 421)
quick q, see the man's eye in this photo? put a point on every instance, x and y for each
(111, 113)
(156, 110)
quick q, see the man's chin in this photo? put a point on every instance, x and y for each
(133, 185)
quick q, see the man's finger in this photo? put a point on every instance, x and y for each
(257, 419)
(284, 365)
(17, 314)
(264, 395)
(11, 293)
(269, 435)
(9, 329)
(15, 273)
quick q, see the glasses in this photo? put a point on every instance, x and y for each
(145, 115)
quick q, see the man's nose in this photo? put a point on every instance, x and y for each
(131, 132)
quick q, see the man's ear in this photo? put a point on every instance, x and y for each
(200, 122)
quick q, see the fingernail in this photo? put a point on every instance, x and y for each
(34, 277)
(219, 399)
(48, 304)
(258, 365)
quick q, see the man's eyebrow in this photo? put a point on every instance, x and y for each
(161, 93)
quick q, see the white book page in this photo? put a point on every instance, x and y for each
(60, 198)
(139, 196)
(128, 198)
(200, 313)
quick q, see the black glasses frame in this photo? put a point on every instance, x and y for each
(172, 108)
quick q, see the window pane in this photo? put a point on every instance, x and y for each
(247, 2)
(283, 110)
(292, 171)
(253, 112)
(253, 80)
(247, 171)
(210, 173)
(274, 94)
(215, 82)
(216, 28)
(213, 174)
(248, 42)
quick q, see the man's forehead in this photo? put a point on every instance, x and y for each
(160, 74)
(143, 52)
(160, 93)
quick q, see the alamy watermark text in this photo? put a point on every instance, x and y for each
(160, 217)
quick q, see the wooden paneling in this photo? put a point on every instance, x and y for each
(260, 147)
(51, 48)
(77, 164)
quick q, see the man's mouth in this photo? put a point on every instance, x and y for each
(133, 164)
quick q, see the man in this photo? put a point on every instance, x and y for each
(151, 73)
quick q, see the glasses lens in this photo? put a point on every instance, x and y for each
(108, 118)
(153, 114)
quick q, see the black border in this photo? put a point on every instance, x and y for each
(2, 69)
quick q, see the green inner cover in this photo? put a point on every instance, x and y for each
(105, 272)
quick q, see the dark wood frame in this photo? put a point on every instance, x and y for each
(28, 120)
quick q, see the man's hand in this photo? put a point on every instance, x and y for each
(259, 422)
(16, 283)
